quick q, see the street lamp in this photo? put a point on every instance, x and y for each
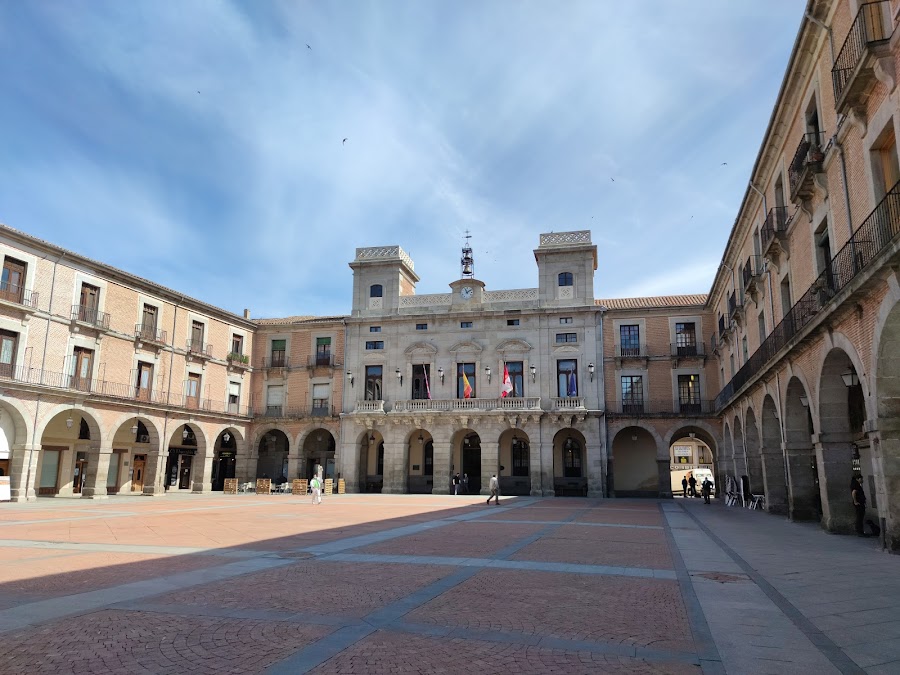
(533, 372)
(591, 371)
(487, 371)
(350, 377)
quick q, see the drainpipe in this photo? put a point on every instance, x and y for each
(50, 312)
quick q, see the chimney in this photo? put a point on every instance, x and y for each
(246, 313)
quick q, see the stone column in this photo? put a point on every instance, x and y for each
(665, 478)
(66, 470)
(154, 473)
(23, 472)
(295, 461)
(774, 481)
(242, 461)
(755, 470)
(803, 496)
(396, 468)
(834, 456)
(94, 485)
(886, 468)
(201, 472)
(490, 464)
(443, 456)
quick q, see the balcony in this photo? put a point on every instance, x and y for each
(238, 360)
(878, 233)
(567, 402)
(774, 234)
(275, 361)
(90, 316)
(150, 333)
(630, 351)
(468, 404)
(270, 411)
(670, 408)
(752, 276)
(806, 165)
(322, 410)
(688, 349)
(18, 297)
(864, 56)
(322, 360)
(725, 329)
(736, 308)
(199, 349)
(369, 407)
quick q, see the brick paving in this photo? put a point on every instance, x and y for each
(422, 583)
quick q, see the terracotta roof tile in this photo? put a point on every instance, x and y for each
(659, 301)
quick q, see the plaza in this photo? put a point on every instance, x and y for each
(427, 583)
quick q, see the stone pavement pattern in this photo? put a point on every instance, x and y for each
(409, 583)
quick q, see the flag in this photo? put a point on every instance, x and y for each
(467, 388)
(572, 389)
(427, 388)
(505, 386)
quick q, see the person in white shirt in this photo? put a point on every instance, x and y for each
(495, 490)
(316, 486)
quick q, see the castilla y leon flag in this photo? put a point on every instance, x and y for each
(427, 388)
(467, 388)
(505, 386)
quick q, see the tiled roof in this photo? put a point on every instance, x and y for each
(659, 301)
(283, 321)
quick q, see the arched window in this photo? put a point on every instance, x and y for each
(375, 291)
(565, 278)
(572, 458)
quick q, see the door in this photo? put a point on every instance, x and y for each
(80, 467)
(90, 296)
(144, 381)
(471, 463)
(13, 280)
(137, 473)
(192, 391)
(81, 373)
(8, 344)
(184, 473)
(148, 325)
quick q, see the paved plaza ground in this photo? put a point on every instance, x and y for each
(436, 584)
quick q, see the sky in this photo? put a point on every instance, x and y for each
(200, 144)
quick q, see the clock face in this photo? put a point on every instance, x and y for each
(466, 292)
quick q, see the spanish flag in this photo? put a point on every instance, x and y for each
(467, 388)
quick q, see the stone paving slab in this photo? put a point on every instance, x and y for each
(471, 539)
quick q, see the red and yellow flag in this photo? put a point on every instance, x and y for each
(467, 388)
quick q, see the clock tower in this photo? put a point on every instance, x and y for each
(468, 292)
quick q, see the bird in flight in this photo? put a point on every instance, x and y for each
(612, 179)
(724, 163)
(308, 47)
(343, 142)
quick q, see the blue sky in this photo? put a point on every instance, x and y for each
(199, 143)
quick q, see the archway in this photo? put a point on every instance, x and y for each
(371, 462)
(753, 451)
(420, 475)
(182, 465)
(691, 453)
(225, 459)
(740, 458)
(515, 463)
(635, 467)
(774, 477)
(803, 477)
(273, 450)
(318, 450)
(17, 455)
(842, 414)
(67, 464)
(569, 464)
(467, 461)
(886, 443)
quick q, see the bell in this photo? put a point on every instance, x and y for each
(467, 268)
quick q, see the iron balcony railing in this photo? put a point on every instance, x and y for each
(90, 315)
(681, 349)
(97, 387)
(734, 304)
(199, 348)
(869, 29)
(808, 157)
(276, 360)
(877, 233)
(18, 295)
(723, 326)
(150, 333)
(631, 351)
(775, 224)
(661, 408)
(752, 268)
(326, 360)
(270, 411)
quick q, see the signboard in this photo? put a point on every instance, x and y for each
(5, 489)
(682, 451)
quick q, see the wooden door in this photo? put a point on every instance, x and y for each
(90, 300)
(12, 282)
(144, 384)
(137, 473)
(8, 343)
(78, 478)
(192, 391)
(83, 361)
(184, 473)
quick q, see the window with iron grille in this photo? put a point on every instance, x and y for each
(632, 393)
(630, 340)
(519, 457)
(373, 383)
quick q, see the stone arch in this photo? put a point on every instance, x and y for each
(16, 449)
(803, 479)
(885, 442)
(515, 462)
(53, 414)
(466, 458)
(773, 467)
(706, 458)
(273, 449)
(317, 447)
(635, 461)
(842, 342)
(67, 462)
(420, 468)
(570, 465)
(186, 458)
(125, 421)
(753, 449)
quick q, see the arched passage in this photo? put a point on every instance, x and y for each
(318, 450)
(515, 463)
(466, 446)
(273, 450)
(752, 449)
(691, 453)
(772, 456)
(184, 465)
(420, 474)
(224, 464)
(371, 462)
(803, 477)
(886, 444)
(69, 440)
(569, 464)
(635, 467)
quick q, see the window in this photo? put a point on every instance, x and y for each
(632, 393)
(785, 297)
(704, 455)
(274, 400)
(277, 351)
(686, 339)
(428, 451)
(512, 322)
(565, 319)
(421, 381)
(519, 457)
(373, 383)
(375, 291)
(197, 335)
(683, 454)
(465, 324)
(144, 381)
(323, 351)
(567, 377)
(192, 391)
(630, 340)
(234, 397)
(745, 349)
(89, 302)
(516, 370)
(566, 337)
(375, 344)
(761, 320)
(421, 326)
(731, 361)
(148, 321)
(571, 458)
(321, 396)
(465, 380)
(237, 344)
(886, 171)
(12, 283)
(565, 279)
(823, 253)
(81, 368)
(689, 394)
(8, 343)
(374, 329)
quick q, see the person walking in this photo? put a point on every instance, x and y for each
(495, 490)
(692, 484)
(706, 488)
(316, 486)
(684, 486)
(456, 483)
(858, 495)
(465, 483)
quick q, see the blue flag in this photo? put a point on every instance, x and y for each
(572, 389)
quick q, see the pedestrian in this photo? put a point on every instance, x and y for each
(456, 483)
(495, 490)
(316, 486)
(858, 495)
(706, 488)
(684, 486)
(465, 483)
(692, 484)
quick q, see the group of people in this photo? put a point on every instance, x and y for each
(462, 483)
(689, 487)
